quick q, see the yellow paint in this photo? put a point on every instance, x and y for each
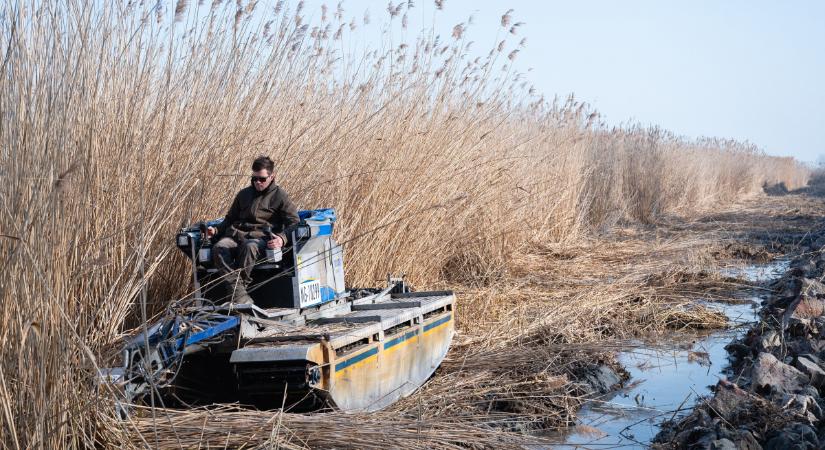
(396, 346)
(345, 371)
(438, 327)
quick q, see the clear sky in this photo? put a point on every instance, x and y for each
(749, 70)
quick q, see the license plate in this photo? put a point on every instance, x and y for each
(310, 293)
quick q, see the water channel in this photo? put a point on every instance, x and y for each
(667, 377)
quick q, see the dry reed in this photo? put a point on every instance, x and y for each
(120, 122)
(236, 428)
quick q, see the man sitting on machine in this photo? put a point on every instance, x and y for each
(242, 236)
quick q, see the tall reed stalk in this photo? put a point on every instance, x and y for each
(120, 121)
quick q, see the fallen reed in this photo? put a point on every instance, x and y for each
(227, 427)
(121, 122)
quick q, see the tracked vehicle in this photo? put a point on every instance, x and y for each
(307, 343)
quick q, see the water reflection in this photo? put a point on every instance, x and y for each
(668, 376)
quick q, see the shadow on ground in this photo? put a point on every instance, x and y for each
(815, 188)
(780, 223)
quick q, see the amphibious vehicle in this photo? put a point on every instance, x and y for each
(307, 343)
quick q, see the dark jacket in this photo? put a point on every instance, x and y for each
(251, 211)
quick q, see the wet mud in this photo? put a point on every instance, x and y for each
(757, 385)
(773, 397)
(666, 375)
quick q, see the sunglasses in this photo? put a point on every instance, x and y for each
(259, 179)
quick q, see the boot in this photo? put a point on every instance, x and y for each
(240, 296)
(244, 299)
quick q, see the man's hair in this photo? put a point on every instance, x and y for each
(263, 162)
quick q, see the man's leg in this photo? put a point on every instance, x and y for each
(224, 254)
(248, 252)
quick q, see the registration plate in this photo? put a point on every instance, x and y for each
(310, 293)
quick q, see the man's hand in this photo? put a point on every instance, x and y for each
(275, 242)
(210, 231)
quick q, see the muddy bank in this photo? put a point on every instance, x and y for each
(774, 398)
(669, 371)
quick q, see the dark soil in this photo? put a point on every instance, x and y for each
(776, 396)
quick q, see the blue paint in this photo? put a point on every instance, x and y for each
(438, 322)
(154, 333)
(343, 365)
(322, 214)
(324, 230)
(224, 323)
(327, 294)
(400, 339)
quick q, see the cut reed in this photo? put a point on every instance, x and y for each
(120, 122)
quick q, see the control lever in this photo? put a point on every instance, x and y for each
(203, 255)
(272, 254)
(204, 230)
(205, 243)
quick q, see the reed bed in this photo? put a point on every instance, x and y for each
(121, 122)
(228, 427)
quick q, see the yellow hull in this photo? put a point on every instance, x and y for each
(381, 349)
(388, 370)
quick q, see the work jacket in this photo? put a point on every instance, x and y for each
(251, 211)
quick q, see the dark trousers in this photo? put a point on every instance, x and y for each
(235, 260)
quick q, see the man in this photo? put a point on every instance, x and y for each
(241, 235)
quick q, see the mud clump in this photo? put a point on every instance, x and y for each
(776, 189)
(748, 252)
(604, 378)
(778, 397)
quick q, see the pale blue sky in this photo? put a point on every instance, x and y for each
(749, 70)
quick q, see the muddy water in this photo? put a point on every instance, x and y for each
(666, 378)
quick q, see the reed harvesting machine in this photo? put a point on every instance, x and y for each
(307, 342)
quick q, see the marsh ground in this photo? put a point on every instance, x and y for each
(528, 342)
